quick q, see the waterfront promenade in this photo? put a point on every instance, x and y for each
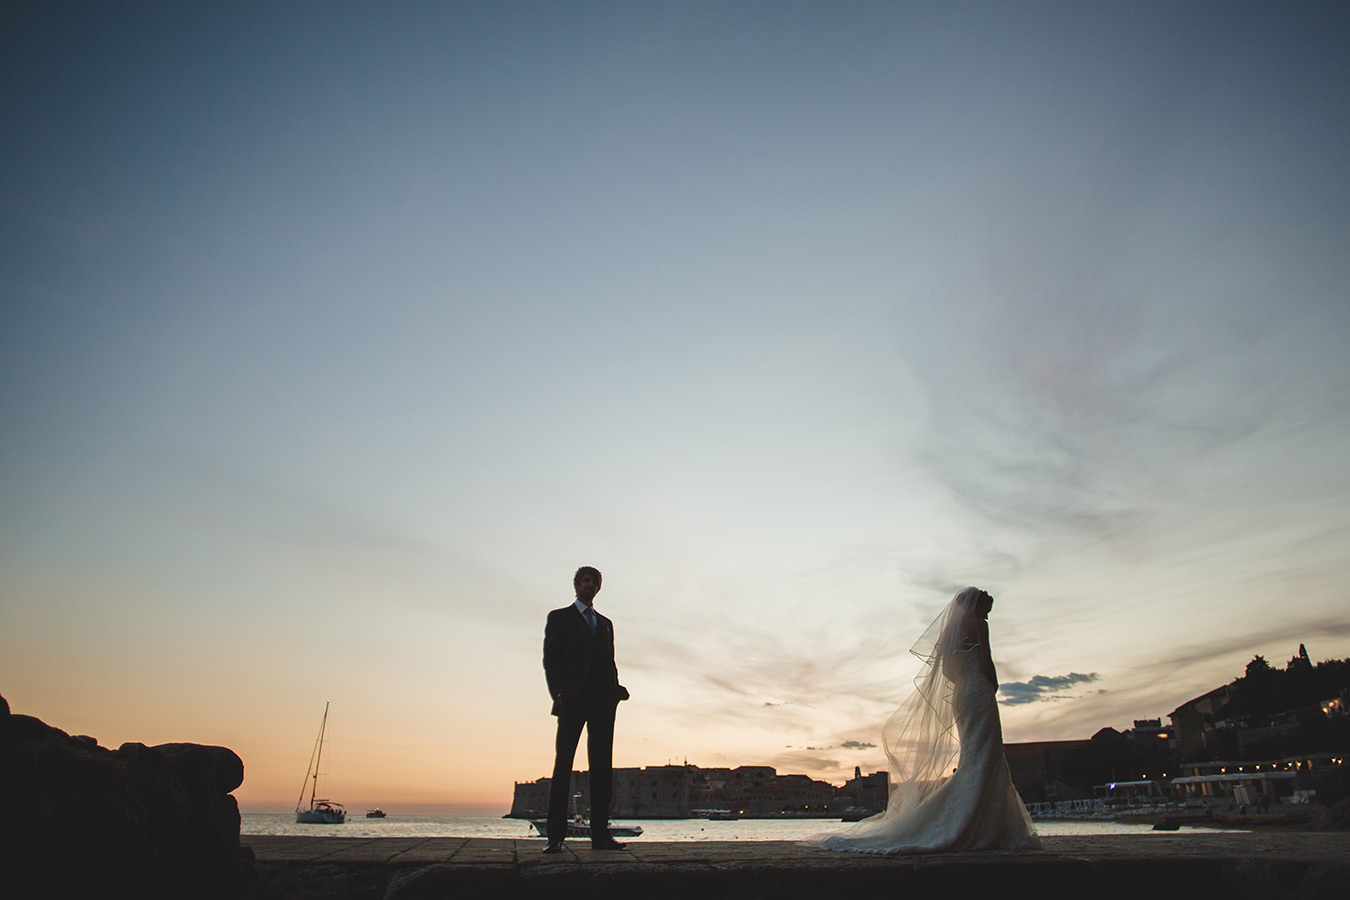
(1306, 865)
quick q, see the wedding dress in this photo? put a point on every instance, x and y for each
(931, 807)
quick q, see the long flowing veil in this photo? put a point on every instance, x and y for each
(920, 737)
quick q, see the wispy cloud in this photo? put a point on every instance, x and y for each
(1040, 688)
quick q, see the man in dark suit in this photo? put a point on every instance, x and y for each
(584, 684)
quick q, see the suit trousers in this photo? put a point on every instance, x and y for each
(598, 720)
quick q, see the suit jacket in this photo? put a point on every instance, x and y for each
(579, 666)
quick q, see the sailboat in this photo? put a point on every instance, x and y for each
(320, 812)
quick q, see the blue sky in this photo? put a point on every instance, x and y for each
(335, 336)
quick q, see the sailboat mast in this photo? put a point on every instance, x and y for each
(318, 757)
(313, 769)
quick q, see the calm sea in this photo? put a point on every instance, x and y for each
(652, 830)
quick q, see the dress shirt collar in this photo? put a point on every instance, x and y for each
(582, 607)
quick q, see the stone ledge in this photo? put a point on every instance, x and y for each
(1306, 865)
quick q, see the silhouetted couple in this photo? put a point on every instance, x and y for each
(951, 717)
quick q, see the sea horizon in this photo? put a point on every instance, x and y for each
(653, 830)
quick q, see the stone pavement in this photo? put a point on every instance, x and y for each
(1307, 865)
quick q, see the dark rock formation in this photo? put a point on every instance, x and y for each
(79, 820)
(1337, 816)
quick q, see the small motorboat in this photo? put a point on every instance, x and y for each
(853, 814)
(375, 813)
(579, 827)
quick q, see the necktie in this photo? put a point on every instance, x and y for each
(590, 619)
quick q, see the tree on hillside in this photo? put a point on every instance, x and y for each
(1264, 691)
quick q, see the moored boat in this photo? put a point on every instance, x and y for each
(578, 827)
(854, 814)
(375, 813)
(715, 815)
(320, 811)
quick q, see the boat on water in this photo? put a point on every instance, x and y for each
(320, 811)
(1271, 820)
(375, 813)
(579, 827)
(853, 814)
(715, 815)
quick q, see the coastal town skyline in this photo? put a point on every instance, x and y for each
(335, 339)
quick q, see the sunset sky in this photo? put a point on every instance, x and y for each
(335, 336)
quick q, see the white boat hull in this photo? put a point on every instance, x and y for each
(322, 813)
(577, 829)
(315, 817)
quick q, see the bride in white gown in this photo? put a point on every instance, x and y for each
(931, 807)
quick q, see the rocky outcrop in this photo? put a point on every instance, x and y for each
(1333, 791)
(80, 820)
(1336, 817)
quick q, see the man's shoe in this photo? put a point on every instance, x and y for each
(553, 847)
(605, 843)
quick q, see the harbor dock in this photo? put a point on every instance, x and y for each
(1304, 865)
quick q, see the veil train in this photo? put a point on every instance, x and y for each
(950, 718)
